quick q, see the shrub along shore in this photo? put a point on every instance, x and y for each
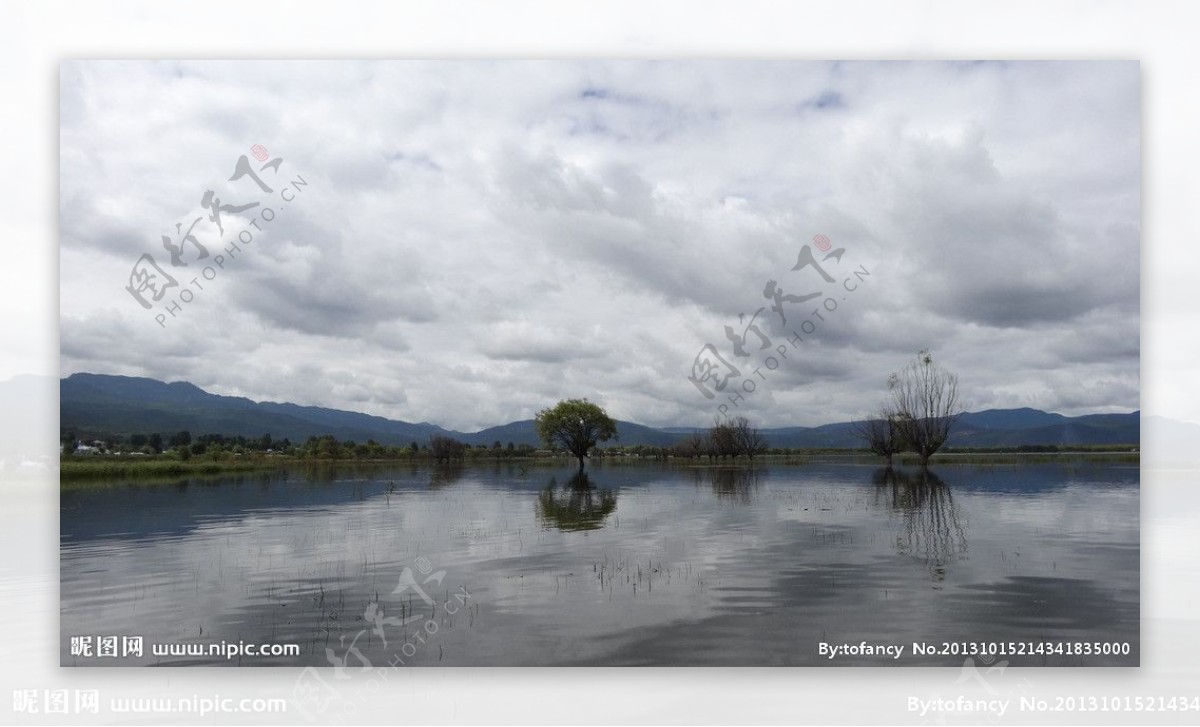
(96, 467)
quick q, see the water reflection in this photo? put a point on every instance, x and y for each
(445, 474)
(579, 505)
(713, 566)
(735, 485)
(932, 523)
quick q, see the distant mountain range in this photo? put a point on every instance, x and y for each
(96, 404)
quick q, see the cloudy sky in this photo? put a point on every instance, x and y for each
(477, 240)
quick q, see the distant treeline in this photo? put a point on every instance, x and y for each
(219, 447)
(1043, 449)
(725, 440)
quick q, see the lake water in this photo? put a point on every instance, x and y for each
(638, 565)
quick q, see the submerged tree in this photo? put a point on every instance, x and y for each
(883, 433)
(722, 439)
(735, 437)
(750, 440)
(445, 449)
(925, 397)
(575, 425)
(691, 446)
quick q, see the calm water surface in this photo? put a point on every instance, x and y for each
(634, 565)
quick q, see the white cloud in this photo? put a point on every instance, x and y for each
(479, 239)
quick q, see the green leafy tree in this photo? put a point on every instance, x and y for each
(575, 425)
(327, 447)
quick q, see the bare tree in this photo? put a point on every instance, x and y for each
(750, 441)
(735, 437)
(445, 449)
(691, 446)
(925, 396)
(883, 433)
(723, 439)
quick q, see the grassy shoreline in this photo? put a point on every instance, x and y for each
(91, 469)
(83, 469)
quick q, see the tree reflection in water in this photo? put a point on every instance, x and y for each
(735, 484)
(932, 523)
(577, 506)
(445, 474)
